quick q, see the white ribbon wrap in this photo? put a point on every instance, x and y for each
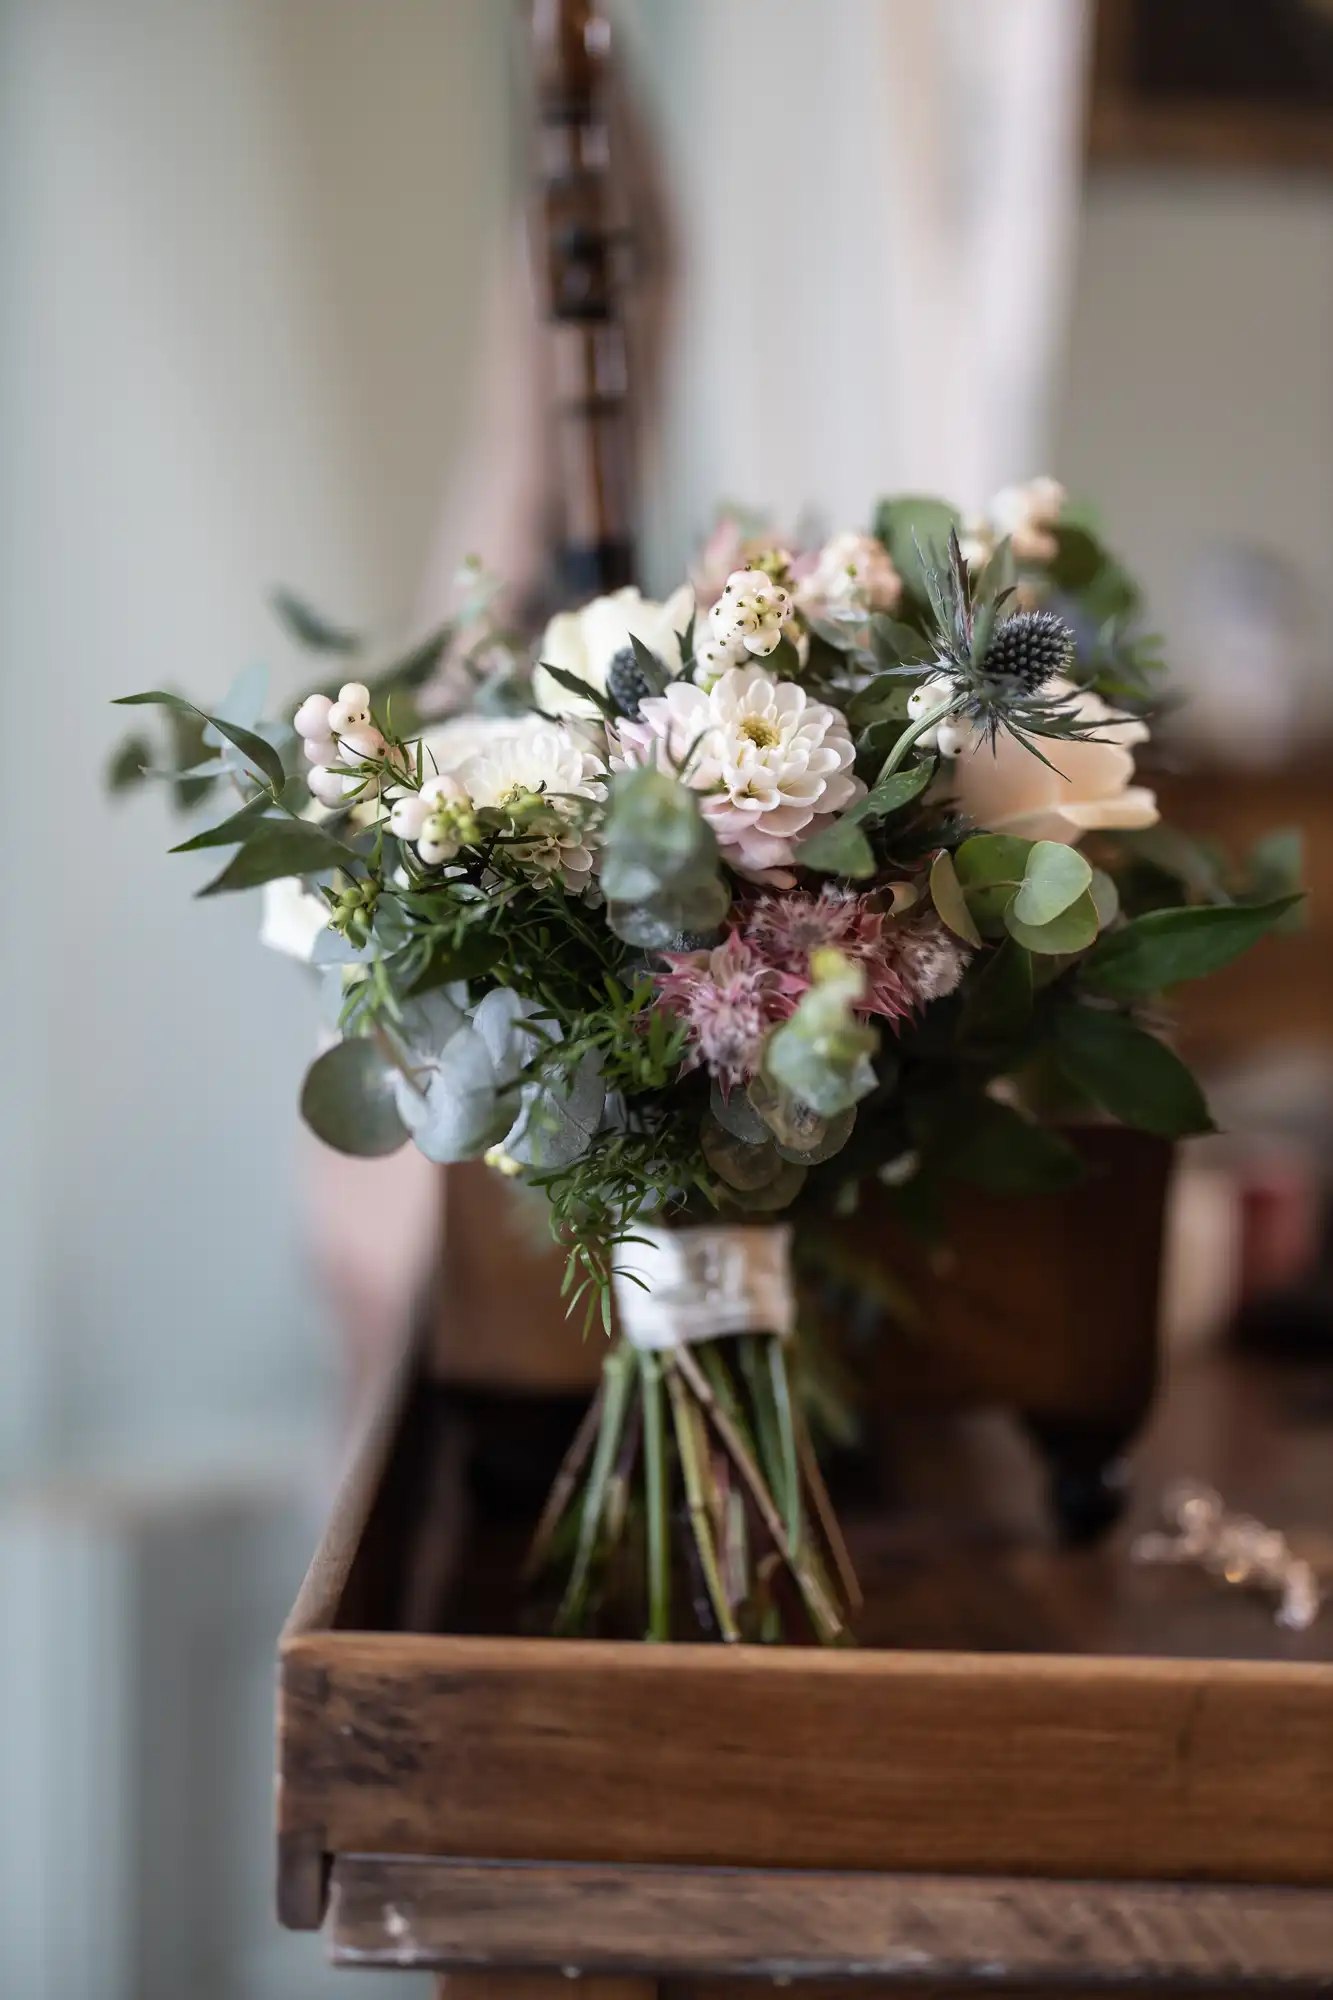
(697, 1283)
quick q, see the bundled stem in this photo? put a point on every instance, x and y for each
(749, 1502)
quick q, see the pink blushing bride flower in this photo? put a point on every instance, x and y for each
(786, 930)
(730, 999)
(772, 765)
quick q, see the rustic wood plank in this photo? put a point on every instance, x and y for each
(722, 1923)
(573, 1751)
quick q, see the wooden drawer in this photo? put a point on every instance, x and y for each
(1020, 1712)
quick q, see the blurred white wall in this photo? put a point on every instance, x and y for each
(240, 255)
(241, 247)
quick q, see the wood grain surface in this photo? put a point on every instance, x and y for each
(529, 1749)
(692, 1923)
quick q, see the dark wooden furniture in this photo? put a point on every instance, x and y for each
(580, 240)
(1217, 83)
(1046, 1767)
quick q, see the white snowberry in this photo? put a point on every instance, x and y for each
(320, 749)
(944, 736)
(360, 745)
(408, 815)
(751, 612)
(330, 787)
(312, 719)
(351, 710)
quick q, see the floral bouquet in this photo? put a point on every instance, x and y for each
(829, 873)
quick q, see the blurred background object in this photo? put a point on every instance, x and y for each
(265, 319)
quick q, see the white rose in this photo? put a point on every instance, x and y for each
(1091, 789)
(292, 918)
(585, 642)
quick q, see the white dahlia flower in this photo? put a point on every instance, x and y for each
(854, 573)
(548, 780)
(585, 642)
(771, 763)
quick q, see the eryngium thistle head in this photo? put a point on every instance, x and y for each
(1029, 650)
(627, 683)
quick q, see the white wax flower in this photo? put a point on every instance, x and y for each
(750, 614)
(1005, 789)
(585, 642)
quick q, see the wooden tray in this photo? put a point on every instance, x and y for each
(1021, 1711)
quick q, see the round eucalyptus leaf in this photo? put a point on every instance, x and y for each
(737, 1115)
(348, 1100)
(743, 1167)
(835, 1133)
(777, 1193)
(1072, 931)
(1056, 876)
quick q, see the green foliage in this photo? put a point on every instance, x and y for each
(1166, 947)
(1129, 1072)
(278, 847)
(822, 1054)
(915, 529)
(946, 892)
(992, 1146)
(260, 755)
(842, 848)
(310, 628)
(347, 1100)
(660, 872)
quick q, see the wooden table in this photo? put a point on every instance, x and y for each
(964, 1562)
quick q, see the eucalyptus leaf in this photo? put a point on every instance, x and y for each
(259, 753)
(1056, 876)
(735, 1113)
(309, 627)
(1167, 947)
(279, 847)
(1129, 1072)
(990, 868)
(348, 1100)
(776, 1194)
(231, 831)
(949, 900)
(417, 665)
(736, 1161)
(1072, 931)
